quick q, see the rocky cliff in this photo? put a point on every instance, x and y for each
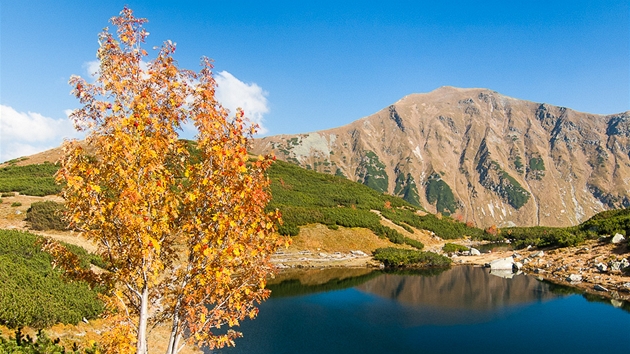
(478, 156)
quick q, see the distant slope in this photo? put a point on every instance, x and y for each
(479, 156)
(304, 197)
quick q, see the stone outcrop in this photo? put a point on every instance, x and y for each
(478, 155)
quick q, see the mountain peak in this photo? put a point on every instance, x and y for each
(479, 156)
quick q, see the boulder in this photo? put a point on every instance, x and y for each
(517, 266)
(538, 254)
(574, 278)
(475, 252)
(625, 263)
(601, 267)
(359, 253)
(502, 263)
(618, 238)
(615, 266)
(600, 288)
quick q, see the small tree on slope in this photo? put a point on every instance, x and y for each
(187, 237)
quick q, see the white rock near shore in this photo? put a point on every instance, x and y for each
(618, 238)
(502, 264)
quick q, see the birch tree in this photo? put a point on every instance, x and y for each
(186, 235)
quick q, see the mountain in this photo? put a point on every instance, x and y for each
(478, 156)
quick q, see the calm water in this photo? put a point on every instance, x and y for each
(460, 310)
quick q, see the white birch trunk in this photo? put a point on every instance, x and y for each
(141, 347)
(173, 341)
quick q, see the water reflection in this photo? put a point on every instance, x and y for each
(436, 296)
(463, 309)
(460, 295)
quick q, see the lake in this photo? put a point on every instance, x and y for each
(460, 310)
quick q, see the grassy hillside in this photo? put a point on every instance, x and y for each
(305, 197)
(34, 180)
(302, 196)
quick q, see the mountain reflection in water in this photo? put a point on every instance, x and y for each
(458, 295)
(463, 309)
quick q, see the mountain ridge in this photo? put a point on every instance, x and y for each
(478, 155)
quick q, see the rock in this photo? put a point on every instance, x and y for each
(466, 253)
(529, 247)
(600, 288)
(526, 260)
(359, 253)
(538, 254)
(574, 278)
(508, 241)
(601, 267)
(618, 238)
(502, 263)
(517, 266)
(516, 255)
(614, 266)
(627, 285)
(85, 320)
(475, 252)
(323, 255)
(625, 263)
(538, 271)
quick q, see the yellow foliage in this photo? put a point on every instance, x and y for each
(176, 229)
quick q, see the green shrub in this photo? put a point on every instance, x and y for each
(16, 204)
(542, 236)
(46, 215)
(453, 247)
(414, 243)
(396, 257)
(32, 292)
(4, 195)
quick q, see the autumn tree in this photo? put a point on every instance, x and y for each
(186, 236)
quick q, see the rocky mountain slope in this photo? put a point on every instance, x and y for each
(479, 156)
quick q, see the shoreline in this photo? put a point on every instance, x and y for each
(551, 265)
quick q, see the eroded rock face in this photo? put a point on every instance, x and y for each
(478, 155)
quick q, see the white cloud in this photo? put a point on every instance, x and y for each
(24, 134)
(233, 93)
(92, 68)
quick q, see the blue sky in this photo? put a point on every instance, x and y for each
(302, 67)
